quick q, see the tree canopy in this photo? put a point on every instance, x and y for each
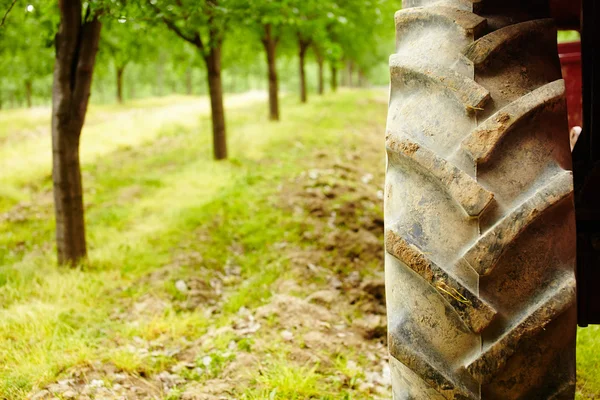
(141, 37)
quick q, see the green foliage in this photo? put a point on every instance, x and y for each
(157, 62)
(202, 23)
(568, 36)
(126, 41)
(26, 50)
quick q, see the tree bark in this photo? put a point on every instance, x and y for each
(76, 47)
(270, 45)
(334, 83)
(215, 86)
(303, 46)
(28, 93)
(120, 71)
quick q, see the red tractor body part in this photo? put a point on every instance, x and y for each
(586, 164)
(566, 13)
(580, 63)
(570, 62)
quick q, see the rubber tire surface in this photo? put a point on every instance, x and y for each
(479, 217)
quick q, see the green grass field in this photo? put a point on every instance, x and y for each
(198, 269)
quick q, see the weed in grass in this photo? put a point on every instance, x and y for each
(279, 380)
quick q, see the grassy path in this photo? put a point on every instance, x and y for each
(254, 278)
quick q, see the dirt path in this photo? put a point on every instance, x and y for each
(24, 154)
(38, 118)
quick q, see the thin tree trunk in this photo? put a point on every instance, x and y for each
(334, 83)
(215, 86)
(350, 73)
(28, 93)
(321, 79)
(270, 45)
(188, 81)
(211, 53)
(234, 81)
(361, 77)
(76, 48)
(303, 46)
(160, 75)
(320, 61)
(120, 70)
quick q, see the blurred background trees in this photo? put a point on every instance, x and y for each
(66, 53)
(138, 50)
(27, 53)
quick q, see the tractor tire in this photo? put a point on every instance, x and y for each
(479, 214)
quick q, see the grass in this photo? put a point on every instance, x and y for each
(159, 210)
(281, 380)
(150, 185)
(588, 362)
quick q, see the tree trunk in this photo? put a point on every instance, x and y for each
(361, 78)
(270, 45)
(76, 48)
(120, 70)
(234, 82)
(215, 86)
(321, 81)
(303, 46)
(333, 78)
(160, 75)
(28, 93)
(320, 61)
(350, 73)
(321, 78)
(188, 81)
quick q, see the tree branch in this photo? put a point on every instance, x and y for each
(7, 12)
(67, 43)
(88, 48)
(304, 43)
(196, 40)
(215, 33)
